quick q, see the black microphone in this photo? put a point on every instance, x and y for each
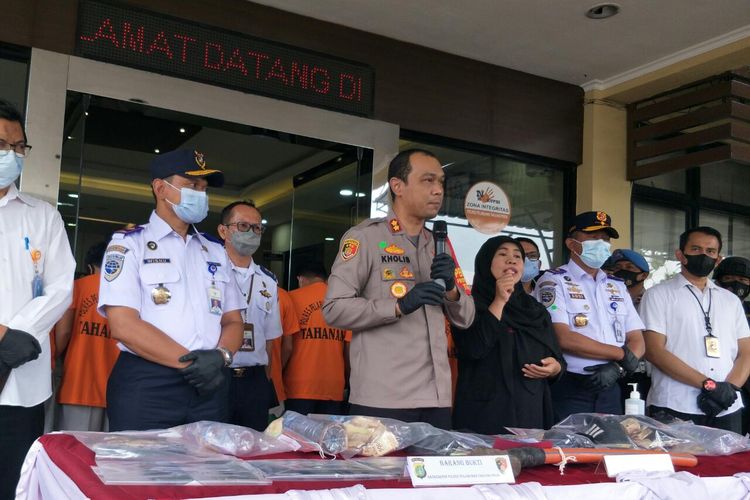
(440, 233)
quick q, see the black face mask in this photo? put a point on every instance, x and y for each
(700, 265)
(741, 290)
(629, 277)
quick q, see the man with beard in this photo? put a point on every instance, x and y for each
(697, 339)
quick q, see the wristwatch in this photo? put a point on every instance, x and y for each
(709, 385)
(227, 354)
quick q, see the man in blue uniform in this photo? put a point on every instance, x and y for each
(166, 291)
(599, 330)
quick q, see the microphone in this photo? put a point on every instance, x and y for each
(440, 233)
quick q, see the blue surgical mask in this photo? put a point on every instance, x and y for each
(193, 206)
(10, 168)
(594, 253)
(530, 269)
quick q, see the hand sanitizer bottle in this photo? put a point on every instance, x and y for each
(634, 405)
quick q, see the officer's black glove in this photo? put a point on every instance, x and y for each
(630, 361)
(604, 376)
(427, 293)
(444, 268)
(724, 395)
(708, 406)
(204, 373)
(18, 347)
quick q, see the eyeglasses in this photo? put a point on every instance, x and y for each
(244, 227)
(21, 148)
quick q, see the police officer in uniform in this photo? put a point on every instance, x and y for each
(167, 293)
(599, 330)
(381, 287)
(251, 390)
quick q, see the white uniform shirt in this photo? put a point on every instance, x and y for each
(154, 256)
(603, 303)
(262, 312)
(670, 309)
(21, 217)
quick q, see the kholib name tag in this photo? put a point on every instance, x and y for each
(615, 464)
(248, 338)
(454, 471)
(712, 346)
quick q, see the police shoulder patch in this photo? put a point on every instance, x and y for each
(268, 273)
(557, 270)
(349, 248)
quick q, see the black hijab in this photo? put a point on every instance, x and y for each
(522, 312)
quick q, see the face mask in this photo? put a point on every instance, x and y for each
(594, 253)
(629, 277)
(10, 168)
(193, 206)
(741, 290)
(530, 269)
(245, 243)
(700, 265)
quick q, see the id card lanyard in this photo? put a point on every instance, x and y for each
(711, 342)
(37, 287)
(248, 336)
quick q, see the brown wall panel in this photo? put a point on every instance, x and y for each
(418, 88)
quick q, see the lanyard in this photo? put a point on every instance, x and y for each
(706, 314)
(249, 295)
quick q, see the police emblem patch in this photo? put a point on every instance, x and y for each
(199, 160)
(398, 289)
(349, 248)
(394, 249)
(113, 265)
(388, 274)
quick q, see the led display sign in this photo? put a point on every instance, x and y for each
(163, 44)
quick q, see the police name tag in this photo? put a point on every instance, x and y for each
(455, 471)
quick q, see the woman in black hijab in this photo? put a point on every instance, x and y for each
(508, 357)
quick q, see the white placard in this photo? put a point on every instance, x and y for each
(456, 471)
(615, 464)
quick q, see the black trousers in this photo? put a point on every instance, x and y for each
(322, 406)
(250, 397)
(731, 422)
(19, 427)
(571, 395)
(437, 417)
(142, 395)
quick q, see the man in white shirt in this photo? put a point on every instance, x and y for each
(37, 285)
(250, 389)
(697, 339)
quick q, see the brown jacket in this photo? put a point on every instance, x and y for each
(395, 362)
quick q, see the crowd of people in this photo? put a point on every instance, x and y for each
(173, 325)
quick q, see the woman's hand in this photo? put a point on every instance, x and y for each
(548, 367)
(504, 287)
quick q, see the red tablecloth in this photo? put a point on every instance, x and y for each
(75, 460)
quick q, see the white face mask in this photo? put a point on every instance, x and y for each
(193, 206)
(11, 166)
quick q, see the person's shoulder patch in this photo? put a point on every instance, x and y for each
(113, 263)
(268, 273)
(547, 296)
(545, 283)
(117, 248)
(557, 270)
(349, 248)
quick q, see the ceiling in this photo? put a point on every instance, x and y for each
(549, 38)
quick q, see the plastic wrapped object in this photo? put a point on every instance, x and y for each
(443, 442)
(331, 470)
(212, 471)
(144, 446)
(233, 440)
(323, 436)
(590, 430)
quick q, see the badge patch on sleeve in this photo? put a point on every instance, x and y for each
(349, 248)
(113, 263)
(547, 296)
